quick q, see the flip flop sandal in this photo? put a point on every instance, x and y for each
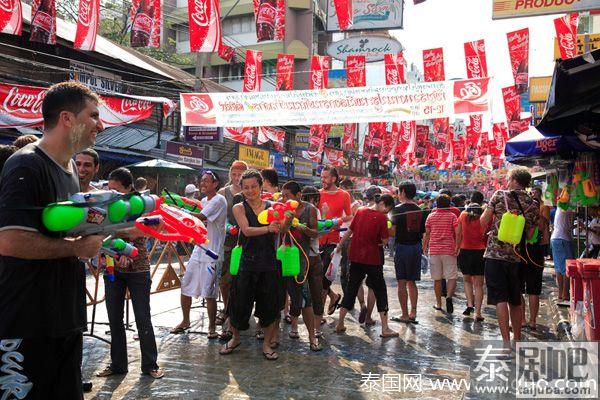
(479, 319)
(294, 335)
(389, 335)
(228, 350)
(332, 307)
(179, 330)
(316, 347)
(272, 356)
(220, 320)
(108, 371)
(226, 335)
(398, 319)
(213, 335)
(437, 308)
(288, 319)
(363, 315)
(413, 320)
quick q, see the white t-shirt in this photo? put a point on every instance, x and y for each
(595, 237)
(215, 211)
(563, 225)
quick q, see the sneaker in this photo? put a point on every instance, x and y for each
(468, 311)
(449, 305)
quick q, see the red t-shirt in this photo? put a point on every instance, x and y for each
(369, 230)
(339, 202)
(473, 237)
(442, 238)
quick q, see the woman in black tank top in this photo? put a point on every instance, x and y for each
(258, 280)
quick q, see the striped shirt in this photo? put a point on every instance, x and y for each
(442, 238)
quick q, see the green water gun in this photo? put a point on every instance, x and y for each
(173, 199)
(551, 192)
(99, 212)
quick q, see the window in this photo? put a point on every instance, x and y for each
(237, 25)
(183, 34)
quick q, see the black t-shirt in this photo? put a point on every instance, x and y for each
(409, 220)
(38, 298)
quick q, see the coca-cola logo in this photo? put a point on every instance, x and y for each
(250, 77)
(392, 76)
(198, 104)
(266, 14)
(201, 12)
(286, 63)
(142, 22)
(317, 79)
(474, 67)
(27, 103)
(85, 13)
(476, 122)
(7, 5)
(128, 105)
(518, 40)
(567, 42)
(43, 20)
(470, 91)
(433, 58)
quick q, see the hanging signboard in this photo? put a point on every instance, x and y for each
(185, 154)
(528, 8)
(374, 48)
(393, 103)
(255, 158)
(95, 78)
(303, 168)
(585, 43)
(302, 138)
(369, 14)
(203, 134)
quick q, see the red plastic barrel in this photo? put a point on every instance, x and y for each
(590, 272)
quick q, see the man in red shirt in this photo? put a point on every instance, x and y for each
(440, 241)
(334, 203)
(369, 232)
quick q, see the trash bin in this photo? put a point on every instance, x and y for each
(576, 309)
(590, 272)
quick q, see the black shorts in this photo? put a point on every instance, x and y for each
(41, 368)
(326, 255)
(503, 282)
(299, 294)
(470, 262)
(262, 288)
(532, 275)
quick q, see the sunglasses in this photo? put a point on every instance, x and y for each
(215, 178)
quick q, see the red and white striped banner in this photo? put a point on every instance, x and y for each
(433, 65)
(276, 136)
(241, 135)
(43, 21)
(11, 17)
(566, 35)
(88, 20)
(204, 26)
(395, 73)
(285, 72)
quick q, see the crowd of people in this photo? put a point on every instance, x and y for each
(42, 280)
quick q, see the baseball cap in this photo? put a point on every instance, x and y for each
(191, 188)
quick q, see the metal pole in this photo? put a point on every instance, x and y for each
(160, 126)
(199, 72)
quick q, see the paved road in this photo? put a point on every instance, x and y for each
(439, 347)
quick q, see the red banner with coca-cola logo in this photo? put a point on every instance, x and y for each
(373, 142)
(11, 17)
(43, 21)
(349, 138)
(459, 146)
(241, 135)
(270, 19)
(444, 156)
(394, 69)
(440, 131)
(253, 71)
(471, 96)
(512, 108)
(422, 141)
(21, 106)
(205, 25)
(276, 136)
(475, 59)
(145, 26)
(566, 35)
(407, 137)
(285, 72)
(316, 142)
(343, 10)
(335, 158)
(88, 20)
(319, 72)
(355, 71)
(518, 50)
(497, 146)
(226, 53)
(433, 65)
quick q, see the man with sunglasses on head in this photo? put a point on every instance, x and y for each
(202, 273)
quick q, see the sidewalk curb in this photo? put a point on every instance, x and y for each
(560, 316)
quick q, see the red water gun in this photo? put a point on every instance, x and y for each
(277, 212)
(231, 230)
(179, 226)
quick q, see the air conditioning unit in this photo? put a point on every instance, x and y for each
(210, 153)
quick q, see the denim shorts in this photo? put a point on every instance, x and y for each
(407, 261)
(562, 250)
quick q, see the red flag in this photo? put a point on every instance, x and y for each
(205, 26)
(348, 140)
(518, 49)
(394, 69)
(512, 108)
(343, 10)
(374, 141)
(497, 147)
(422, 141)
(253, 71)
(226, 53)
(43, 21)
(433, 65)
(142, 15)
(11, 17)
(566, 35)
(285, 72)
(270, 19)
(334, 158)
(319, 72)
(156, 26)
(459, 149)
(316, 142)
(440, 130)
(240, 135)
(471, 96)
(88, 20)
(475, 59)
(355, 71)
(407, 136)
(276, 136)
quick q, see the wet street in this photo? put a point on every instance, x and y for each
(437, 351)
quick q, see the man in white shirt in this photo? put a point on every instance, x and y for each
(201, 278)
